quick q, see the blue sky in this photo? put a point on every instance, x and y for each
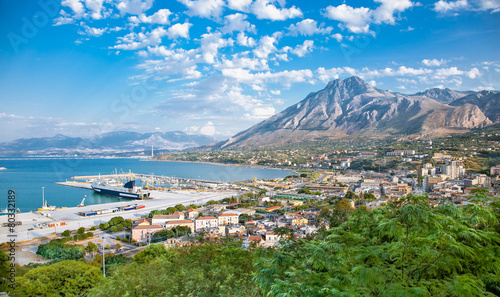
(216, 67)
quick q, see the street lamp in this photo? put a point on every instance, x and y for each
(103, 259)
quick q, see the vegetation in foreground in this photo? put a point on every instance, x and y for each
(407, 248)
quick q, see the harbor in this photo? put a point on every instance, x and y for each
(43, 223)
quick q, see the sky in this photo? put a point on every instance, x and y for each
(216, 67)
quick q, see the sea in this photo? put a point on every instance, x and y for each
(27, 176)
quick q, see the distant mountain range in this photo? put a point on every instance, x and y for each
(104, 144)
(352, 107)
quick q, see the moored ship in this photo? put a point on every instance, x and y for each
(129, 190)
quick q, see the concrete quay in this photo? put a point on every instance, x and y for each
(162, 200)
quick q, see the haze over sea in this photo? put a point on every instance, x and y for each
(27, 176)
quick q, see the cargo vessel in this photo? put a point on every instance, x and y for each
(129, 190)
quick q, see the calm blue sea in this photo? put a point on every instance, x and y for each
(27, 176)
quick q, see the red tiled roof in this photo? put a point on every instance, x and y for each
(228, 215)
(206, 218)
(172, 222)
(148, 227)
(254, 238)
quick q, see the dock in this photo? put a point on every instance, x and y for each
(75, 184)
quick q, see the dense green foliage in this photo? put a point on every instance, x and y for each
(207, 270)
(406, 249)
(174, 232)
(58, 250)
(66, 278)
(116, 224)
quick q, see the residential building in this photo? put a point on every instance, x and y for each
(205, 223)
(192, 213)
(162, 219)
(227, 219)
(144, 232)
(176, 223)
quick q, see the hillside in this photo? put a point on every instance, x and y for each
(352, 107)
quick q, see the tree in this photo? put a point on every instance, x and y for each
(66, 278)
(91, 247)
(81, 230)
(66, 233)
(407, 248)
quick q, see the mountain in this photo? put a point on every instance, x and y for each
(353, 107)
(107, 143)
(442, 95)
(487, 101)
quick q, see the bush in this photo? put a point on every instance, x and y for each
(66, 233)
(59, 250)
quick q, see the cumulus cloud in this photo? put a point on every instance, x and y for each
(444, 6)
(307, 27)
(134, 6)
(303, 49)
(244, 40)
(237, 22)
(266, 10)
(159, 17)
(266, 46)
(179, 30)
(434, 62)
(210, 44)
(358, 20)
(133, 41)
(90, 31)
(210, 9)
(240, 5)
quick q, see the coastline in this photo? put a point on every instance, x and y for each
(225, 164)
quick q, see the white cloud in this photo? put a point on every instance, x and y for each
(210, 9)
(179, 30)
(275, 92)
(94, 32)
(385, 12)
(308, 27)
(244, 40)
(444, 6)
(159, 17)
(210, 44)
(266, 46)
(445, 72)
(473, 73)
(237, 22)
(261, 113)
(240, 5)
(96, 7)
(434, 62)
(338, 37)
(208, 129)
(76, 6)
(303, 49)
(239, 61)
(133, 41)
(134, 6)
(356, 20)
(176, 62)
(266, 10)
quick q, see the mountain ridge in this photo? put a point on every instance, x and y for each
(352, 106)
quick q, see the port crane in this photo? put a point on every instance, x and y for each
(82, 204)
